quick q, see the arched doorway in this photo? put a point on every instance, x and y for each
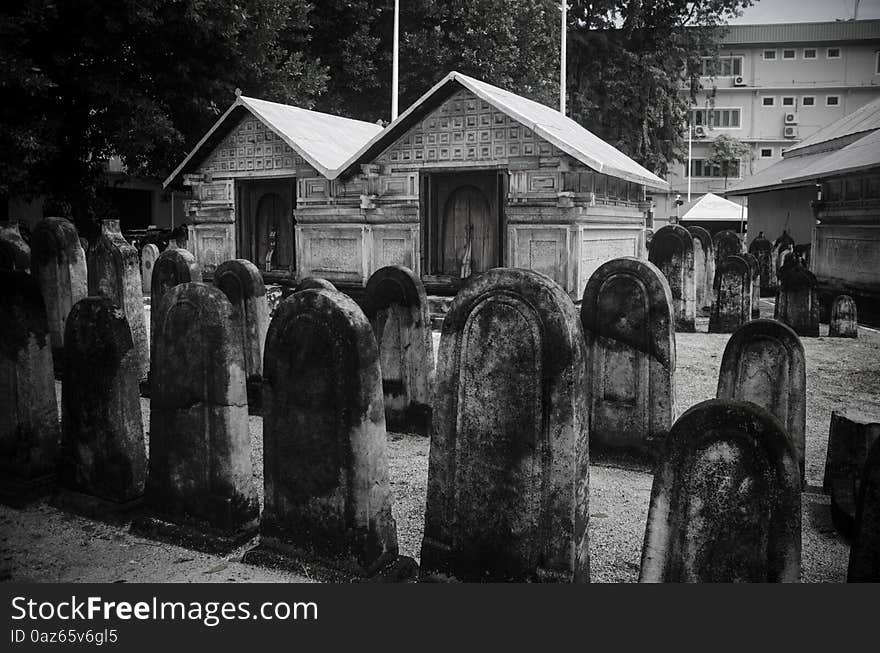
(266, 225)
(469, 241)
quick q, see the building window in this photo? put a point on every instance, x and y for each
(833, 53)
(727, 66)
(788, 54)
(832, 100)
(766, 152)
(809, 53)
(808, 101)
(701, 168)
(716, 118)
(768, 101)
(769, 55)
(788, 101)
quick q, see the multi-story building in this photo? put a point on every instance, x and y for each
(773, 86)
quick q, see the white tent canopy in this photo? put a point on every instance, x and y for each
(713, 208)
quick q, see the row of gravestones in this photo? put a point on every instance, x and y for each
(717, 278)
(499, 354)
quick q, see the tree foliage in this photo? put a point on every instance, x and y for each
(634, 69)
(727, 150)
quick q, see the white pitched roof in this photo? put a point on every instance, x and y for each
(713, 207)
(863, 119)
(860, 155)
(547, 123)
(325, 141)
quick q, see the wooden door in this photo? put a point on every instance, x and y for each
(266, 224)
(470, 235)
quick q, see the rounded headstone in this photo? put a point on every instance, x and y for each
(672, 251)
(796, 301)
(733, 295)
(149, 254)
(173, 267)
(704, 269)
(844, 318)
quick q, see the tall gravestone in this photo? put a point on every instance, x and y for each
(864, 554)
(28, 412)
(103, 454)
(242, 283)
(115, 273)
(782, 247)
(726, 243)
(173, 267)
(726, 500)
(844, 321)
(672, 251)
(58, 262)
(508, 475)
(762, 249)
(796, 302)
(397, 307)
(325, 461)
(149, 254)
(851, 435)
(200, 482)
(733, 295)
(15, 253)
(626, 315)
(755, 278)
(764, 363)
(704, 269)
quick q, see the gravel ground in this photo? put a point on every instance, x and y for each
(42, 543)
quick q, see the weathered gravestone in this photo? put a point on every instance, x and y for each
(172, 268)
(626, 315)
(103, 455)
(242, 283)
(200, 483)
(864, 554)
(850, 437)
(764, 363)
(726, 500)
(755, 284)
(508, 475)
(704, 269)
(58, 262)
(314, 283)
(762, 249)
(726, 243)
(15, 253)
(844, 321)
(733, 295)
(28, 412)
(115, 273)
(325, 462)
(397, 307)
(796, 302)
(672, 250)
(149, 254)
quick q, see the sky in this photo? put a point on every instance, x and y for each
(806, 11)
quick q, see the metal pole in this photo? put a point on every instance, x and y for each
(395, 60)
(562, 52)
(690, 151)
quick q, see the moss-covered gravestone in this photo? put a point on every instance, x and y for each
(864, 554)
(325, 462)
(508, 475)
(58, 262)
(104, 461)
(796, 302)
(397, 307)
(173, 267)
(733, 295)
(149, 254)
(764, 363)
(726, 243)
(115, 273)
(672, 251)
(200, 483)
(755, 283)
(28, 412)
(844, 321)
(626, 315)
(726, 500)
(762, 249)
(242, 283)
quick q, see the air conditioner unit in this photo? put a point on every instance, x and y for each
(699, 131)
(790, 131)
(739, 80)
(791, 118)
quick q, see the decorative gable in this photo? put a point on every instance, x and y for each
(251, 147)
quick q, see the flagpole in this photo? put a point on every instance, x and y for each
(690, 146)
(562, 52)
(395, 60)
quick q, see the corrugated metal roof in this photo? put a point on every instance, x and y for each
(325, 141)
(548, 123)
(802, 32)
(864, 153)
(713, 207)
(864, 119)
(776, 175)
